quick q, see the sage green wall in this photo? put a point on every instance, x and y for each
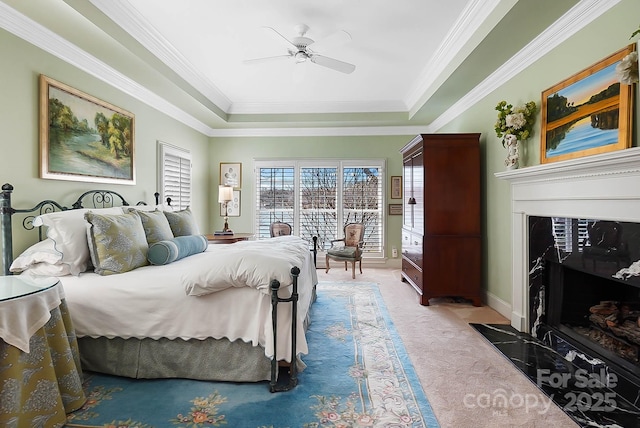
(21, 65)
(598, 40)
(247, 149)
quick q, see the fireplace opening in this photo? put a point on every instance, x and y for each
(598, 313)
(584, 291)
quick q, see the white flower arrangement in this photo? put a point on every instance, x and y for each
(515, 121)
(627, 69)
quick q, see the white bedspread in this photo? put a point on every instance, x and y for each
(247, 264)
(151, 302)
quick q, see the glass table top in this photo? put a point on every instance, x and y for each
(14, 286)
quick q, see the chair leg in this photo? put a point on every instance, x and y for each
(327, 264)
(360, 264)
(353, 269)
(345, 265)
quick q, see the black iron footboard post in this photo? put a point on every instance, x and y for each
(293, 369)
(7, 239)
(315, 251)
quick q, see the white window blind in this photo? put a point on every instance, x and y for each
(174, 166)
(319, 197)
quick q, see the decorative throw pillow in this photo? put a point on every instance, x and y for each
(155, 224)
(68, 230)
(117, 242)
(182, 222)
(165, 252)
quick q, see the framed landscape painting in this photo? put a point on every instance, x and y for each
(83, 138)
(588, 113)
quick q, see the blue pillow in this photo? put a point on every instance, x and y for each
(170, 250)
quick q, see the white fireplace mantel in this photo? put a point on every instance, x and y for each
(604, 186)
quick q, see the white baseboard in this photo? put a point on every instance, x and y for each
(502, 307)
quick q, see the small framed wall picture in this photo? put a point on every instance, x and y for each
(395, 209)
(396, 187)
(231, 174)
(233, 206)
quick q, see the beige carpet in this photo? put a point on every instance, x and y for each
(460, 372)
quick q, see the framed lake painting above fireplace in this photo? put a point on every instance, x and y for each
(83, 138)
(588, 113)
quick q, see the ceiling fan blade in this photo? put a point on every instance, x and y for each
(280, 36)
(335, 39)
(334, 64)
(265, 59)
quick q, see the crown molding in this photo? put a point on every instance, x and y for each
(353, 131)
(317, 107)
(43, 38)
(578, 17)
(133, 22)
(472, 17)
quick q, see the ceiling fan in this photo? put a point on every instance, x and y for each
(303, 49)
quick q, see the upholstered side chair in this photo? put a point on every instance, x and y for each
(351, 248)
(279, 228)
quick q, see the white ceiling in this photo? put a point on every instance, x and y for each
(390, 48)
(416, 60)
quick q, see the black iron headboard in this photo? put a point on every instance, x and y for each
(89, 199)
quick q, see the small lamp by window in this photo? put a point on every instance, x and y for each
(225, 195)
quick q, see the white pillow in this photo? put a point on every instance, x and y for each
(47, 269)
(68, 229)
(40, 252)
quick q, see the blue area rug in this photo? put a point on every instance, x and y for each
(358, 375)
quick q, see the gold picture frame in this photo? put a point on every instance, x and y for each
(588, 113)
(83, 138)
(396, 187)
(231, 174)
(395, 209)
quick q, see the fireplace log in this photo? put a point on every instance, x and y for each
(605, 307)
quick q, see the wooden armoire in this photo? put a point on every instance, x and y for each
(441, 239)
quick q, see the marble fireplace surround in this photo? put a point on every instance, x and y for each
(604, 186)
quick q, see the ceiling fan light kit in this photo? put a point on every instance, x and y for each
(303, 51)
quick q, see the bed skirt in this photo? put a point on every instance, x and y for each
(209, 359)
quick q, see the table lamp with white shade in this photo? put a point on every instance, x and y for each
(225, 195)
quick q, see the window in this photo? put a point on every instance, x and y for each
(174, 177)
(319, 197)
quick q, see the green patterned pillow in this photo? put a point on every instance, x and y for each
(117, 243)
(155, 224)
(182, 222)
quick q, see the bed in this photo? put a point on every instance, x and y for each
(172, 307)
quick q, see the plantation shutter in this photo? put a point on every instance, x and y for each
(319, 197)
(175, 175)
(318, 208)
(362, 203)
(275, 198)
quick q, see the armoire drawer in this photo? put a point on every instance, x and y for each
(413, 274)
(412, 247)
